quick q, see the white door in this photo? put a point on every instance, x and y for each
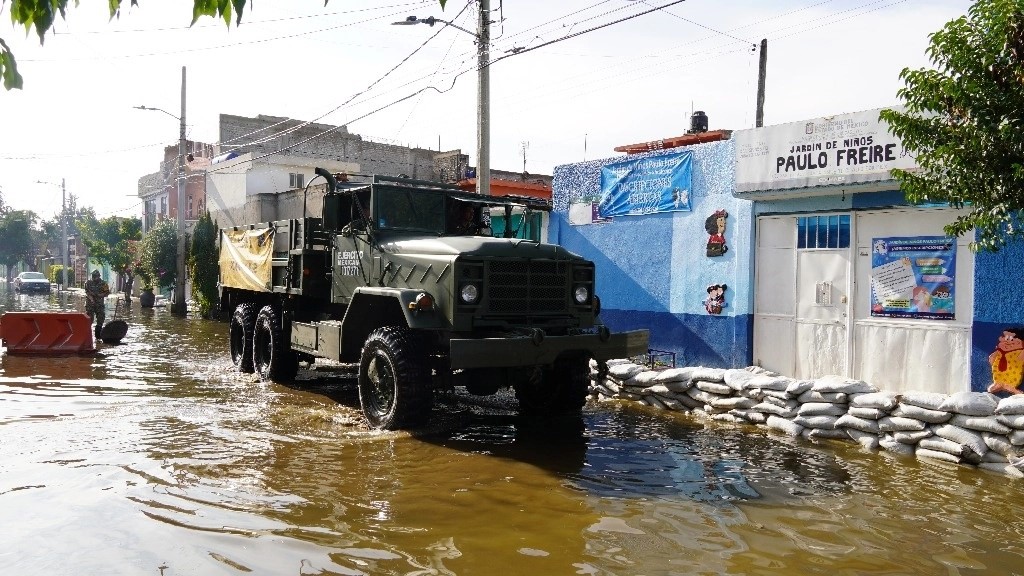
(822, 320)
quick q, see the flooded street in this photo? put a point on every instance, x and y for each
(154, 457)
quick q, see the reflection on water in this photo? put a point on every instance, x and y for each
(154, 457)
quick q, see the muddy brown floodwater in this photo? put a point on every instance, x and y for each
(153, 457)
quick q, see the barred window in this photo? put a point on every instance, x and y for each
(831, 231)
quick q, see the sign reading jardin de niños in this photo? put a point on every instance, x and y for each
(843, 149)
(646, 185)
(913, 277)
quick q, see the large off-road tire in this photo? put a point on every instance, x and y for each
(558, 391)
(394, 379)
(243, 321)
(272, 356)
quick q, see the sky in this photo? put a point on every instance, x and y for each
(571, 83)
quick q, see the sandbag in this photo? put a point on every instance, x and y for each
(834, 383)
(980, 423)
(783, 425)
(826, 422)
(911, 436)
(943, 445)
(825, 434)
(865, 439)
(643, 379)
(774, 410)
(673, 375)
(860, 424)
(766, 382)
(704, 397)
(1006, 469)
(969, 438)
(1015, 421)
(993, 457)
(737, 379)
(815, 396)
(1016, 437)
(623, 372)
(736, 402)
(713, 387)
(936, 455)
(1000, 444)
(899, 424)
(869, 413)
(929, 400)
(654, 402)
(881, 400)
(798, 387)
(928, 415)
(821, 409)
(777, 394)
(708, 374)
(1011, 405)
(971, 403)
(890, 444)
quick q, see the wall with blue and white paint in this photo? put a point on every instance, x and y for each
(653, 271)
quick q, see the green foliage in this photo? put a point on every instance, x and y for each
(964, 121)
(16, 236)
(57, 275)
(40, 15)
(160, 253)
(110, 241)
(202, 263)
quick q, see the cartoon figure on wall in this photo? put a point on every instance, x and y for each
(716, 298)
(1008, 362)
(715, 226)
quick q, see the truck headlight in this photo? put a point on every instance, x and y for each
(469, 293)
(581, 294)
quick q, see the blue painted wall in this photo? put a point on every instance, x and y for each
(652, 271)
(998, 304)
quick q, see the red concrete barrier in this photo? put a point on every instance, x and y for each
(47, 333)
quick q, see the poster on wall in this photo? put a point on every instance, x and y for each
(581, 213)
(913, 277)
(646, 185)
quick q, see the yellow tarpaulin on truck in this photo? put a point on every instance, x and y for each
(245, 258)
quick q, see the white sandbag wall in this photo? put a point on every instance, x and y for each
(974, 428)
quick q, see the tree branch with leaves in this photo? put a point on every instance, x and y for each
(964, 121)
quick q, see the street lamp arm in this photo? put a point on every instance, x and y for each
(430, 21)
(156, 110)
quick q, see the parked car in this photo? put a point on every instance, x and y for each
(31, 282)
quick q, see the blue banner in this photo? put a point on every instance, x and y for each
(646, 185)
(913, 277)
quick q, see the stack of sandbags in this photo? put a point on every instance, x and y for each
(614, 384)
(959, 438)
(775, 400)
(712, 395)
(1006, 450)
(667, 389)
(821, 407)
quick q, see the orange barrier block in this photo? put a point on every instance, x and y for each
(47, 333)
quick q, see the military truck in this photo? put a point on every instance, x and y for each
(388, 279)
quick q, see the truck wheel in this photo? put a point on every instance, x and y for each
(562, 390)
(394, 379)
(242, 323)
(272, 355)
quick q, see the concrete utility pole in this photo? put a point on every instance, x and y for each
(761, 74)
(483, 100)
(483, 89)
(64, 235)
(178, 306)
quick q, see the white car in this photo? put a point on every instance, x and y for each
(27, 282)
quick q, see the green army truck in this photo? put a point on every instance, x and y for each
(389, 278)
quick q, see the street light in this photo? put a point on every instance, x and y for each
(483, 89)
(178, 306)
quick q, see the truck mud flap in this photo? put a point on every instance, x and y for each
(526, 351)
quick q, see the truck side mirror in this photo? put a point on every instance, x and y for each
(332, 211)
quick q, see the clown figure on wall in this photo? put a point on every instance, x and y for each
(1008, 362)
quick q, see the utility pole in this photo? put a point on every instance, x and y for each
(483, 99)
(64, 235)
(178, 306)
(761, 74)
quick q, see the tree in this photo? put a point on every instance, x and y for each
(964, 120)
(16, 238)
(109, 241)
(203, 263)
(160, 253)
(41, 14)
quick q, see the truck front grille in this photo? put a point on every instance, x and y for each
(528, 286)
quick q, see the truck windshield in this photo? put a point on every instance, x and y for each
(410, 209)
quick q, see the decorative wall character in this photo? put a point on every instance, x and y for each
(716, 298)
(715, 226)
(1008, 362)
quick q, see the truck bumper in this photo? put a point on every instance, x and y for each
(526, 351)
